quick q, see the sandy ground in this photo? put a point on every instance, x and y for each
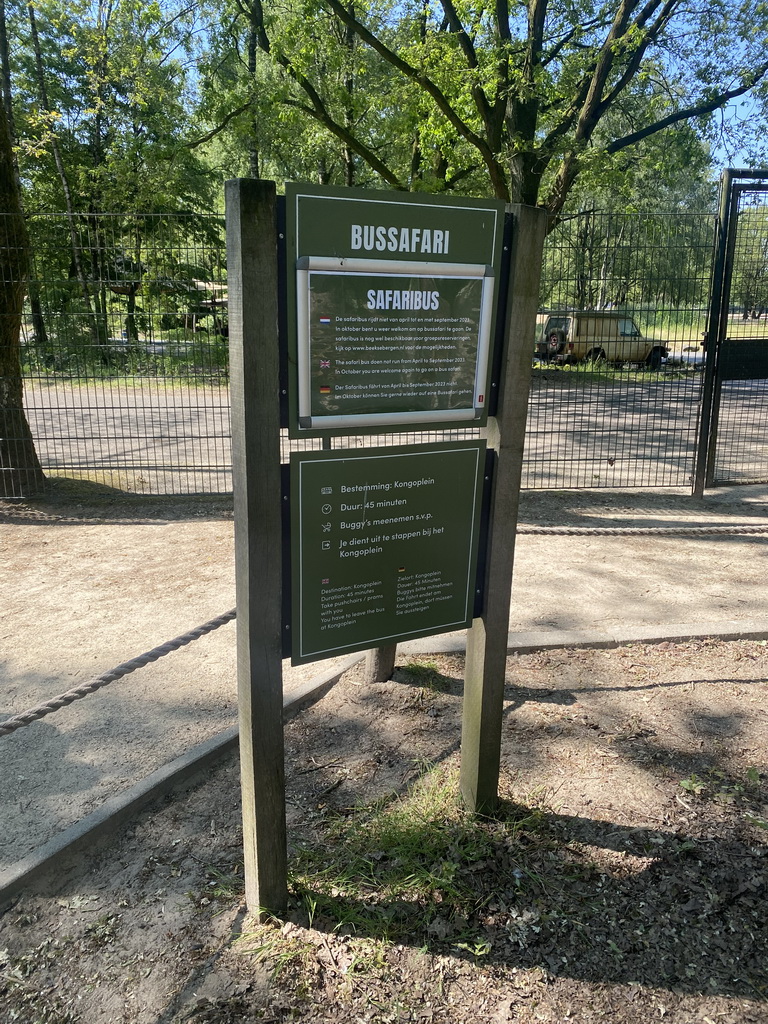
(91, 579)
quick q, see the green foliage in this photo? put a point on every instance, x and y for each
(521, 103)
(654, 265)
(425, 674)
(223, 885)
(266, 944)
(749, 288)
(592, 373)
(551, 102)
(118, 96)
(693, 784)
(157, 285)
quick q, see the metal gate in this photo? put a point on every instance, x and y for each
(733, 444)
(619, 289)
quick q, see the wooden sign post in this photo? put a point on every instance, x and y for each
(252, 277)
(485, 668)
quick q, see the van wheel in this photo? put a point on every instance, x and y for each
(654, 360)
(595, 355)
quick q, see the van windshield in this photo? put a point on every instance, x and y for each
(561, 323)
(628, 329)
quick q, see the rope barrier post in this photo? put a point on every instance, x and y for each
(380, 663)
(252, 277)
(485, 667)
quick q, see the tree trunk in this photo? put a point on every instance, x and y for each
(253, 139)
(608, 267)
(348, 155)
(39, 328)
(38, 322)
(20, 471)
(5, 69)
(77, 256)
(131, 327)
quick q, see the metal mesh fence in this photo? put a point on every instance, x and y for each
(125, 358)
(616, 385)
(741, 452)
(742, 443)
(124, 351)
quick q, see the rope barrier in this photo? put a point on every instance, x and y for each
(34, 714)
(640, 531)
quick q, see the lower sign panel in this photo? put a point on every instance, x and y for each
(383, 545)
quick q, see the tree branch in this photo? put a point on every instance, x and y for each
(320, 114)
(468, 49)
(522, 113)
(697, 110)
(501, 14)
(560, 45)
(495, 169)
(318, 110)
(585, 110)
(465, 41)
(219, 127)
(454, 180)
(591, 108)
(633, 64)
(570, 167)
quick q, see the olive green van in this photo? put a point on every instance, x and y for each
(615, 337)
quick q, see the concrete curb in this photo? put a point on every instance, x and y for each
(62, 852)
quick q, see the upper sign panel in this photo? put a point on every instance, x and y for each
(393, 308)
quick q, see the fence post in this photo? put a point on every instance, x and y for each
(702, 475)
(485, 668)
(255, 388)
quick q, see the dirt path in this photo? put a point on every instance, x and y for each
(624, 881)
(90, 579)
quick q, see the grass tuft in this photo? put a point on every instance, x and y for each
(425, 674)
(407, 866)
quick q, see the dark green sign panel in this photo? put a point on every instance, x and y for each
(391, 307)
(383, 544)
(394, 226)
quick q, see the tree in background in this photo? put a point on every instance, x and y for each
(20, 471)
(749, 287)
(129, 105)
(518, 100)
(611, 249)
(292, 100)
(102, 95)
